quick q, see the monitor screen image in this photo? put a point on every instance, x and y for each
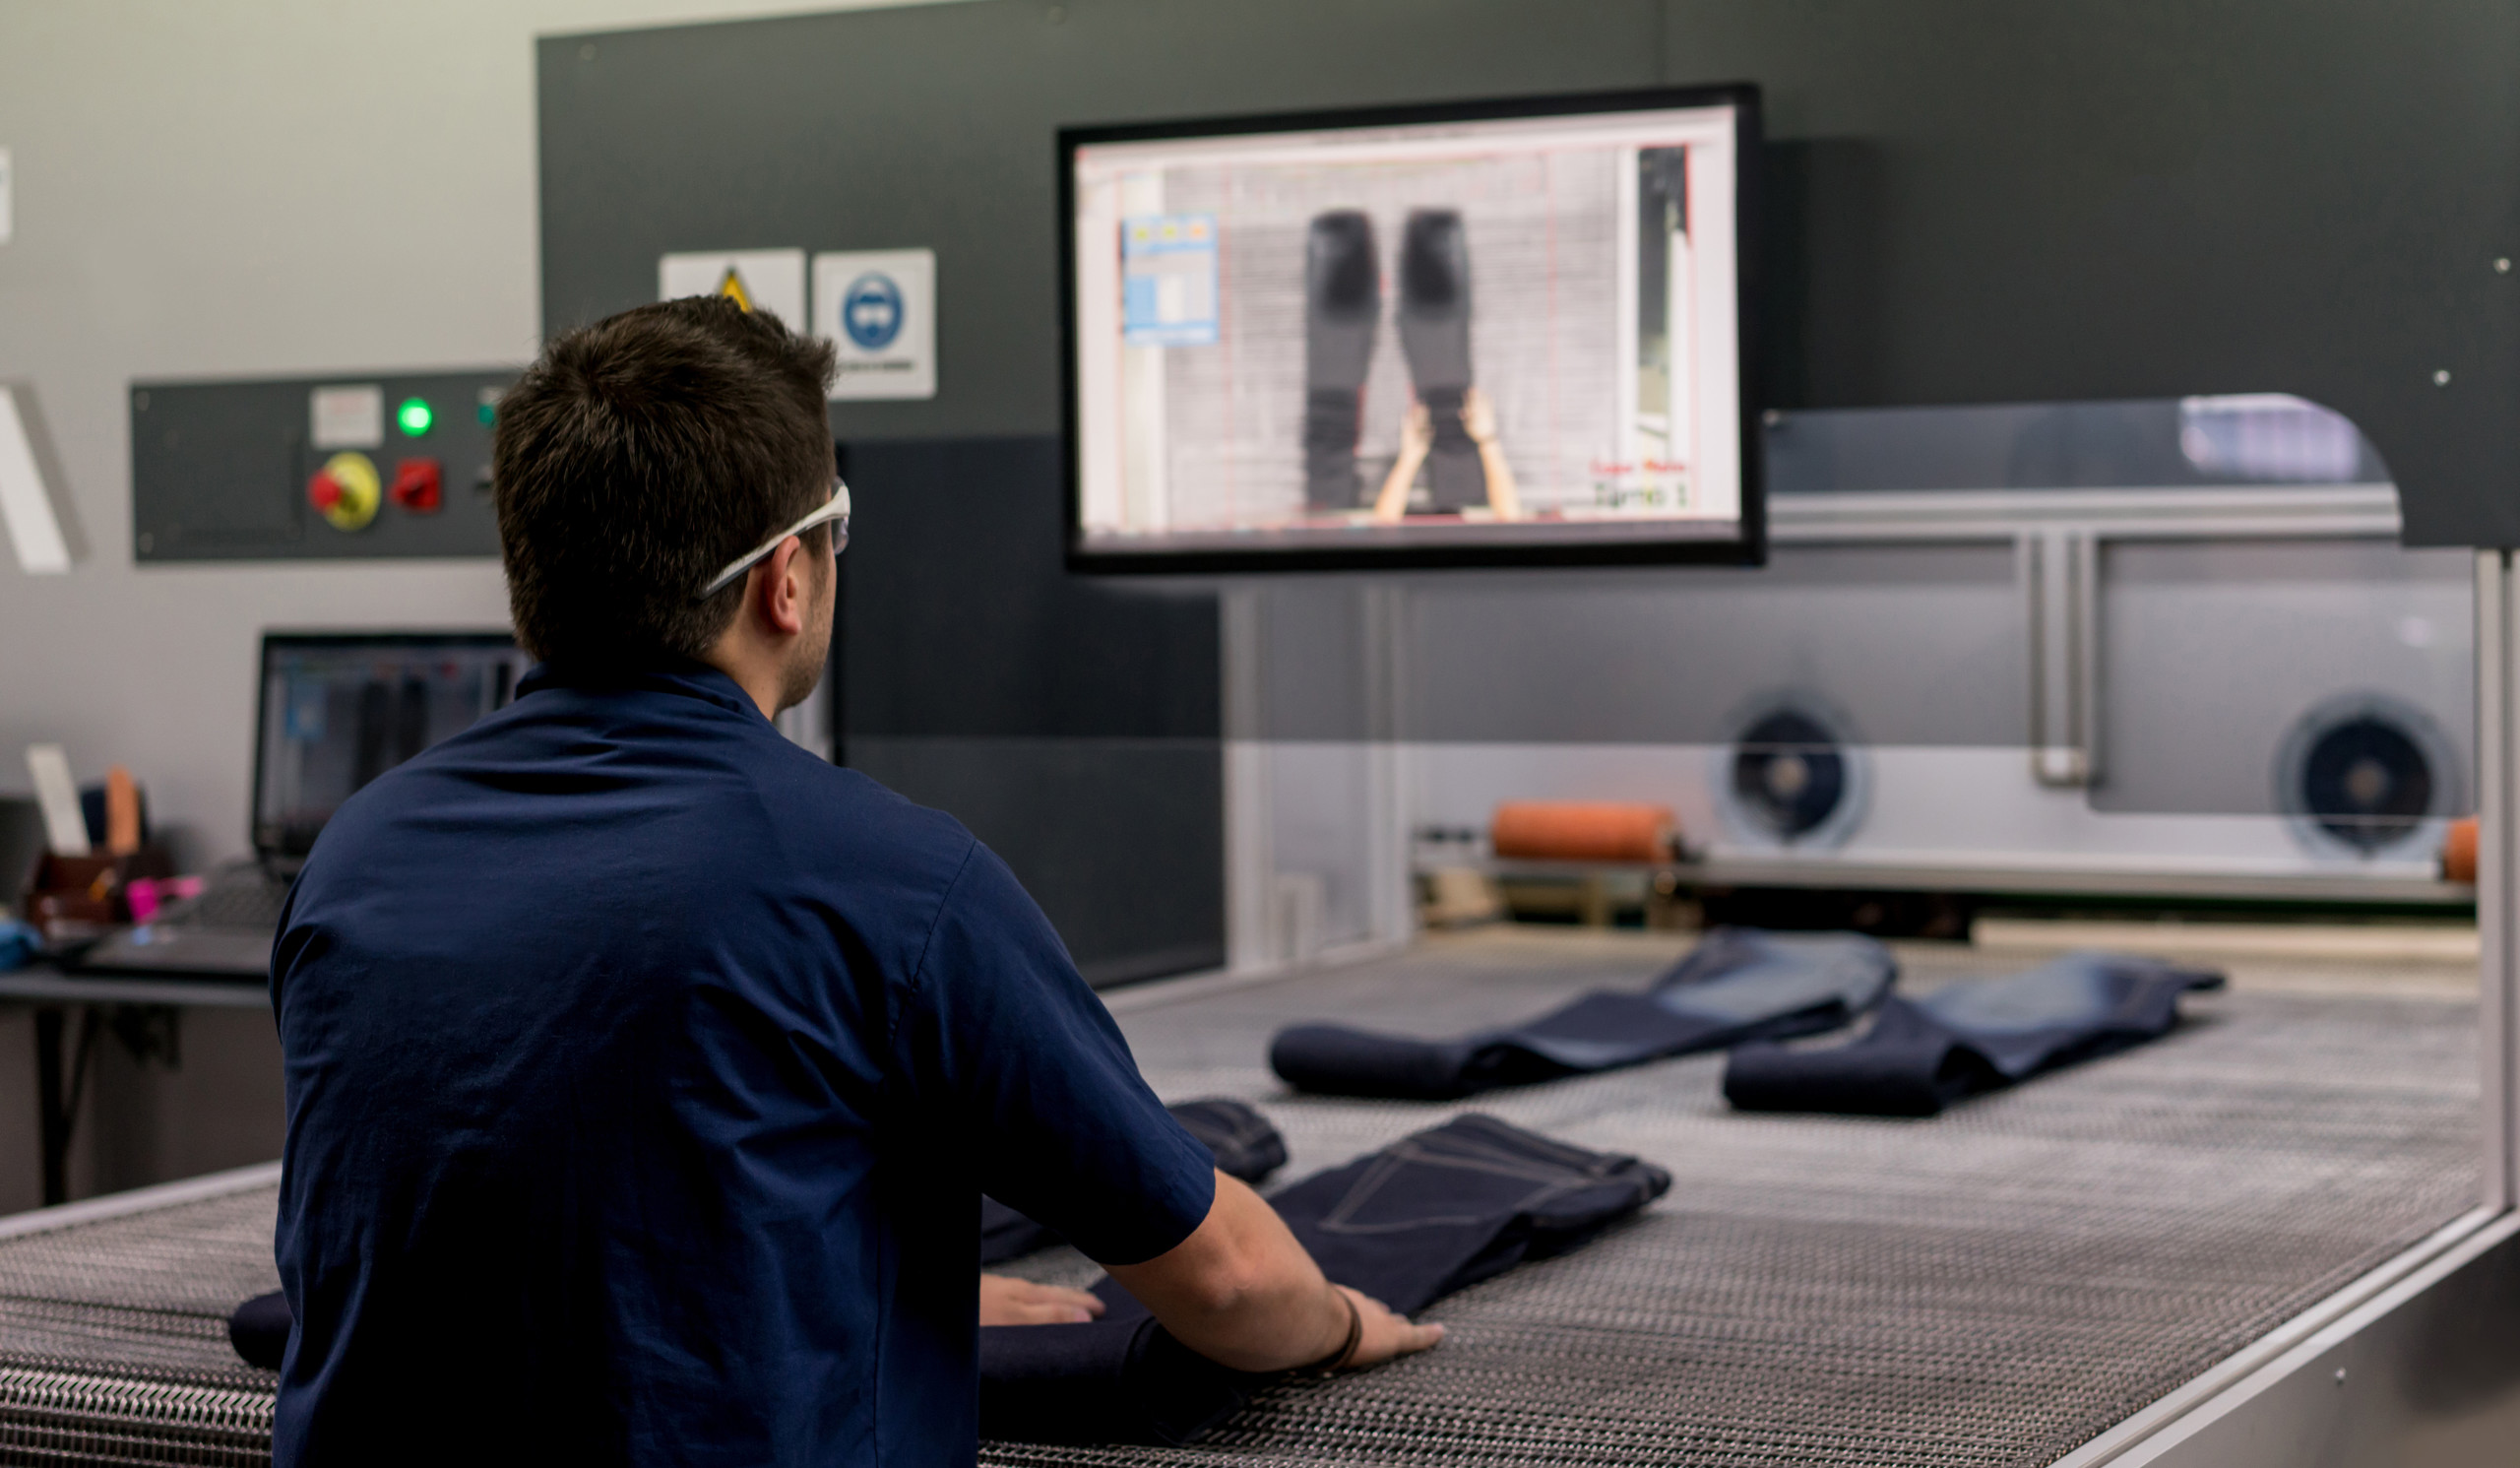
(338, 710)
(1476, 335)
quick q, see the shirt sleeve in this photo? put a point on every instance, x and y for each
(1006, 1046)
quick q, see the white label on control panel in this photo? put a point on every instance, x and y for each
(347, 418)
(8, 221)
(878, 310)
(772, 280)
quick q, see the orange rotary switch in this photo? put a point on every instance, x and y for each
(346, 492)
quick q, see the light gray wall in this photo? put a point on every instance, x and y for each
(247, 186)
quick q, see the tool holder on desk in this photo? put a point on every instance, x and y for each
(76, 900)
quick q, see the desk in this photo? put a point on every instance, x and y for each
(52, 995)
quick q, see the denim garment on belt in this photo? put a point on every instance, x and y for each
(1922, 1054)
(1408, 1225)
(1738, 985)
(1245, 1145)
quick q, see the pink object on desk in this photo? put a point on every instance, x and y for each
(147, 894)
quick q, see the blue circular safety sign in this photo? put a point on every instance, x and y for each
(870, 311)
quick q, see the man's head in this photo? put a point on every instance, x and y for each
(639, 456)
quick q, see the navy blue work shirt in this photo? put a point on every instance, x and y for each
(644, 1071)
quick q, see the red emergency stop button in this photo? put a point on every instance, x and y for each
(344, 491)
(418, 485)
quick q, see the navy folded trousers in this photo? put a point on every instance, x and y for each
(1408, 1225)
(1922, 1054)
(1738, 985)
(1245, 1145)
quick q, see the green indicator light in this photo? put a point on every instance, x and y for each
(488, 413)
(414, 417)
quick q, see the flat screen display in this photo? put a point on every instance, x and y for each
(338, 710)
(1485, 334)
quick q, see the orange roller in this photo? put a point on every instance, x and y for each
(2458, 851)
(1582, 831)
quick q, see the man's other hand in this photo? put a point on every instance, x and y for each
(1019, 1301)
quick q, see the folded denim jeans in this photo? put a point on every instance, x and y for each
(1245, 1145)
(1408, 1225)
(1738, 985)
(1922, 1054)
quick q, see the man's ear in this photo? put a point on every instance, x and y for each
(784, 595)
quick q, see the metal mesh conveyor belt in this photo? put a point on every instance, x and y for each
(1992, 1287)
(113, 1336)
(1995, 1286)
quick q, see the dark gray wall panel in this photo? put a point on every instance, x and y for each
(1116, 839)
(1984, 201)
(936, 125)
(1071, 724)
(959, 619)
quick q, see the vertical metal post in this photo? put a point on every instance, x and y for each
(2498, 901)
(1250, 854)
(2060, 580)
(1390, 899)
(52, 1110)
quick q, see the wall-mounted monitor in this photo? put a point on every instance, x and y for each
(1481, 333)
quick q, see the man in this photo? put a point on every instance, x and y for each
(643, 1069)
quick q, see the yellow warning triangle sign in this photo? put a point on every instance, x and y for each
(732, 289)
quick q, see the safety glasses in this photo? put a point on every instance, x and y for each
(834, 513)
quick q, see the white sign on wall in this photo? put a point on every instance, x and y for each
(772, 280)
(7, 220)
(878, 310)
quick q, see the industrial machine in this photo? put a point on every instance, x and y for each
(1977, 659)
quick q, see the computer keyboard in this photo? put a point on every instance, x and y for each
(249, 900)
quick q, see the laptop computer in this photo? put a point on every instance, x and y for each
(333, 711)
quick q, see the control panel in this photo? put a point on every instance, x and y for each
(344, 467)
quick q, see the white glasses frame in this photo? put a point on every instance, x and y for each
(833, 512)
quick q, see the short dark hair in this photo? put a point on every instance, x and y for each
(640, 454)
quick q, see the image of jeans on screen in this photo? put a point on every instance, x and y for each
(1738, 985)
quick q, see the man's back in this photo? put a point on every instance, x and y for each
(642, 1071)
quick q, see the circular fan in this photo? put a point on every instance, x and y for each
(1789, 773)
(2365, 773)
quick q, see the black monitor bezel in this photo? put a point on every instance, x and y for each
(275, 641)
(1747, 548)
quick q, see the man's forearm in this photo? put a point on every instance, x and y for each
(1240, 1291)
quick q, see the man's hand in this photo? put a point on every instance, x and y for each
(1386, 1335)
(1019, 1301)
(1241, 1292)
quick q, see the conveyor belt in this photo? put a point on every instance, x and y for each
(1995, 1286)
